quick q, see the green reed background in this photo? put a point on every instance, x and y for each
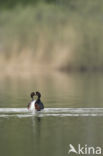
(58, 34)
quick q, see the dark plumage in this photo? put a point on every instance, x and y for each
(38, 104)
(32, 95)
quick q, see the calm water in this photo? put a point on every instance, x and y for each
(50, 135)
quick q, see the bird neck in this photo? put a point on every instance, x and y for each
(38, 99)
(32, 99)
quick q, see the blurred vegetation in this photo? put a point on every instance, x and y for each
(63, 34)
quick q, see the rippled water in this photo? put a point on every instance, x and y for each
(73, 114)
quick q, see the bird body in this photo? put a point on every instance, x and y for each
(31, 105)
(39, 105)
(35, 104)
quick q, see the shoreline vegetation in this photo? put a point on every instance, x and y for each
(63, 35)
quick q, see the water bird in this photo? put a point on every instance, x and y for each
(35, 104)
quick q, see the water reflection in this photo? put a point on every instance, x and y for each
(58, 90)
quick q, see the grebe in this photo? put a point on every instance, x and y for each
(35, 104)
(32, 102)
(38, 104)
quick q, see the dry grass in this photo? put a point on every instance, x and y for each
(51, 37)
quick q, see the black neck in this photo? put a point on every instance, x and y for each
(39, 96)
(38, 99)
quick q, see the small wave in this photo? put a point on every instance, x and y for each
(56, 112)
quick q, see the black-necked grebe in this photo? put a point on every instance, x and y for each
(38, 104)
(35, 104)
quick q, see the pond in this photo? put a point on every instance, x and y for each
(73, 114)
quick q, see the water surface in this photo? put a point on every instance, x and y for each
(73, 114)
